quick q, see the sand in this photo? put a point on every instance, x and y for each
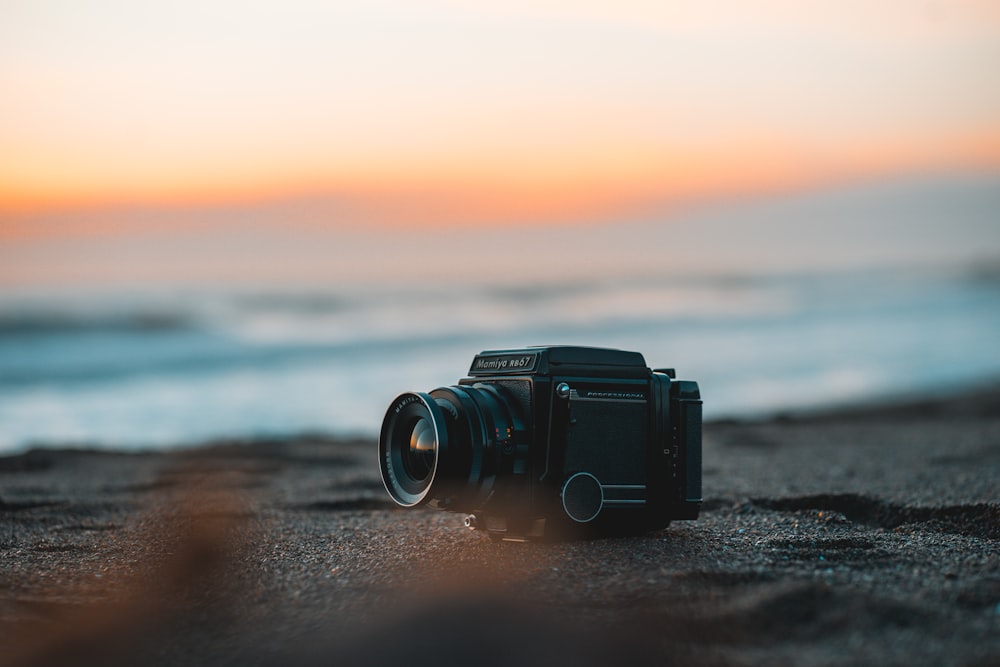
(864, 536)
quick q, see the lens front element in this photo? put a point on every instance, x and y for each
(413, 437)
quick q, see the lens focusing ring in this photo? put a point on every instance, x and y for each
(474, 435)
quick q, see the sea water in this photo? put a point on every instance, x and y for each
(803, 304)
(163, 368)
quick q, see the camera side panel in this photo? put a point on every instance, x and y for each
(602, 430)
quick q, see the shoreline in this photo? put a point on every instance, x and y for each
(980, 398)
(866, 534)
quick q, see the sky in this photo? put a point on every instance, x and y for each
(433, 113)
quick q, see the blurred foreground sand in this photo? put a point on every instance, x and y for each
(863, 536)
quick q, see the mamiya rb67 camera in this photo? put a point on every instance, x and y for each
(549, 441)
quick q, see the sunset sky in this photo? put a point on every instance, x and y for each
(465, 112)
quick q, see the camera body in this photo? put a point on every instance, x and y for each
(550, 441)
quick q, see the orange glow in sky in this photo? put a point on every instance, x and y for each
(442, 112)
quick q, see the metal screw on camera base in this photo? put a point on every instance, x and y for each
(470, 521)
(562, 390)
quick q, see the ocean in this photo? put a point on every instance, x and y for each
(171, 365)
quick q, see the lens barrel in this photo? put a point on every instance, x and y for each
(446, 446)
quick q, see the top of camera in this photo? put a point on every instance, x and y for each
(561, 360)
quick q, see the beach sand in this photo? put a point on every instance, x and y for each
(860, 536)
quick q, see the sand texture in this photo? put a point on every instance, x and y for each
(857, 537)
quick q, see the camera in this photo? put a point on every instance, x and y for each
(545, 442)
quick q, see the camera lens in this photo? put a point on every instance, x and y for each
(443, 446)
(413, 436)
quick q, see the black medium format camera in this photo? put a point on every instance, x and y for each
(547, 441)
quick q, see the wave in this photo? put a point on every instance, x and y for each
(20, 324)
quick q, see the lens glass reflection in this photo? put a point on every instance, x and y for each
(418, 458)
